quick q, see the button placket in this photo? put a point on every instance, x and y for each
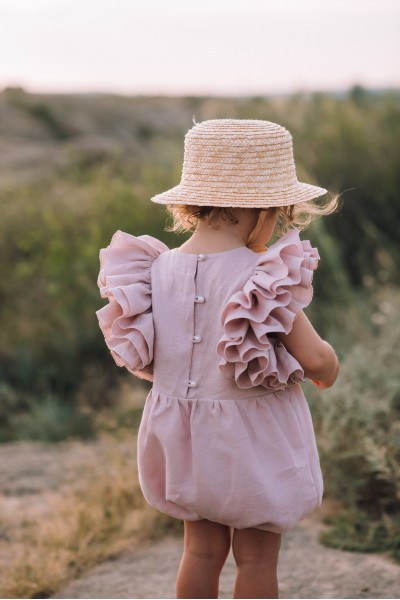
(198, 299)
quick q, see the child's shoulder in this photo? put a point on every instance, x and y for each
(127, 242)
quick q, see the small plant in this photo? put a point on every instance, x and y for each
(354, 530)
(48, 420)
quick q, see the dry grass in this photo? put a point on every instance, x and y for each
(99, 513)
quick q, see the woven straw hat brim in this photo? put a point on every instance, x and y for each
(183, 194)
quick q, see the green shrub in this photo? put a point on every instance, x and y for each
(48, 419)
(357, 422)
(51, 235)
(355, 531)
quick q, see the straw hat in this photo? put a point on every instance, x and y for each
(239, 162)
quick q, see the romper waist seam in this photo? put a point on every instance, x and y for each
(215, 398)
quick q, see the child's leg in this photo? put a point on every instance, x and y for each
(206, 548)
(256, 555)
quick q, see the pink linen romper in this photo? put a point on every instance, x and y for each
(226, 432)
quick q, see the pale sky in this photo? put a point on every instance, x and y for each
(194, 47)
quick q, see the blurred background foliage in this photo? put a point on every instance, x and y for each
(74, 169)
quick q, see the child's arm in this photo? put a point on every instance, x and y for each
(317, 357)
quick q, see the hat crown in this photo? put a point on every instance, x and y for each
(237, 155)
(237, 128)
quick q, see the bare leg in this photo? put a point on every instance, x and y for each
(206, 548)
(256, 555)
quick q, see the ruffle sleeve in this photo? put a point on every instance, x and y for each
(278, 289)
(126, 321)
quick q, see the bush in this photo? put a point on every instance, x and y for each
(51, 235)
(358, 425)
(48, 419)
(355, 531)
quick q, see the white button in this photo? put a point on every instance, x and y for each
(196, 339)
(199, 299)
(201, 257)
(192, 383)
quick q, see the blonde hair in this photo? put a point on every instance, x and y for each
(186, 216)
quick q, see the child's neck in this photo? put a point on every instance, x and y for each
(227, 237)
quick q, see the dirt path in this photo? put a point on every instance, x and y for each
(306, 570)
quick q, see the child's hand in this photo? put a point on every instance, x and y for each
(320, 384)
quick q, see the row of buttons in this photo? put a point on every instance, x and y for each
(197, 338)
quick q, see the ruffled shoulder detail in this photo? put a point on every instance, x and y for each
(278, 289)
(125, 279)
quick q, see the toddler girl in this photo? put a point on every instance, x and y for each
(226, 441)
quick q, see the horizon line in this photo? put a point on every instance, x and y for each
(331, 91)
